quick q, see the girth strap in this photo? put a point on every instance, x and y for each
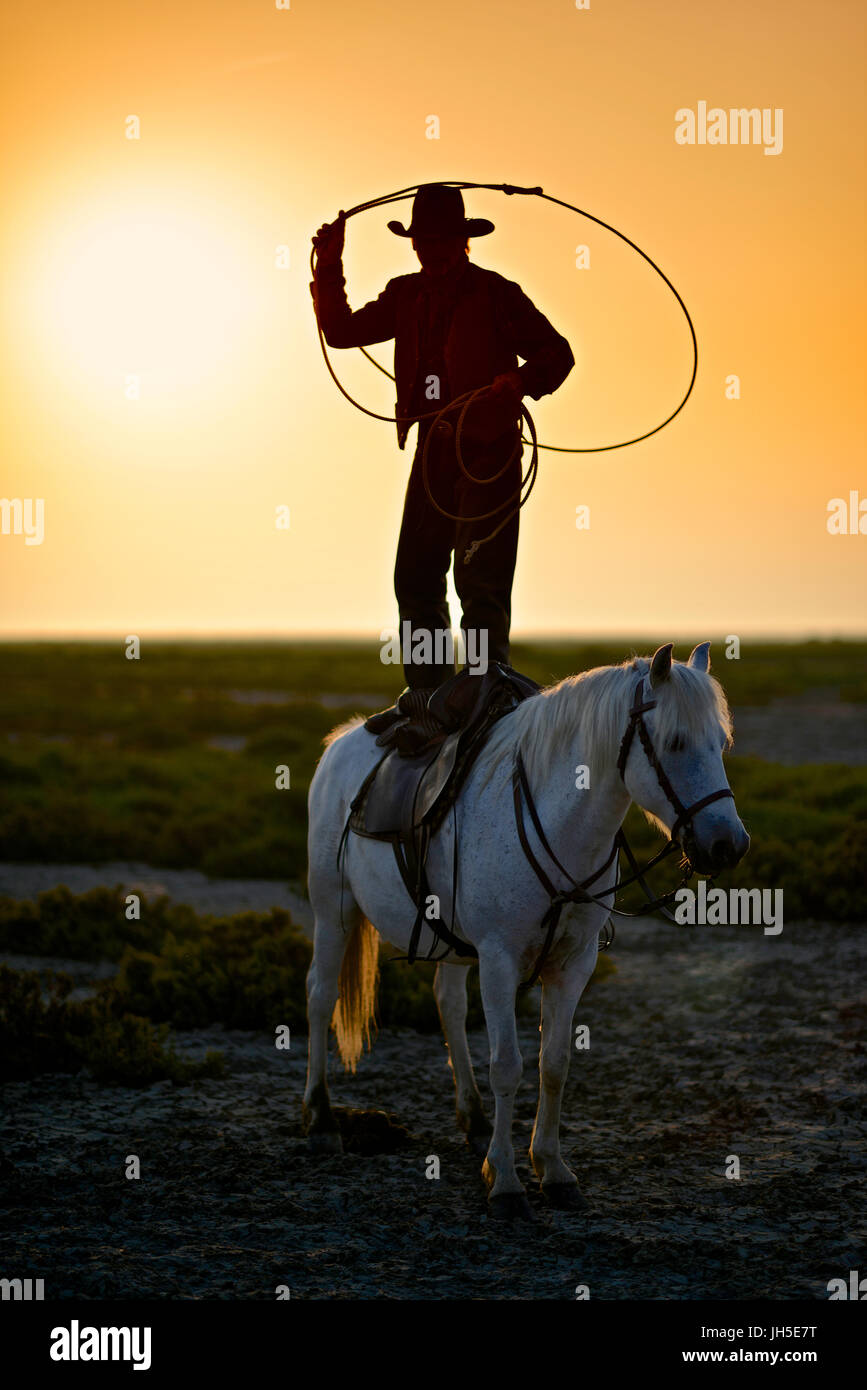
(416, 883)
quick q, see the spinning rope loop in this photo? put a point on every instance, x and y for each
(465, 401)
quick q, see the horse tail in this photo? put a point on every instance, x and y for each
(355, 1009)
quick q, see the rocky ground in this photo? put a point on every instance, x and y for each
(707, 1043)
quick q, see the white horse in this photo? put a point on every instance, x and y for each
(674, 771)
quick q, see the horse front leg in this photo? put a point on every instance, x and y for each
(562, 986)
(499, 983)
(450, 992)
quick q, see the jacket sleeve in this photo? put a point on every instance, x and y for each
(548, 358)
(341, 328)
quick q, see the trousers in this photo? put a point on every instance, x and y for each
(427, 541)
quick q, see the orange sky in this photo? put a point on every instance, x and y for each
(156, 258)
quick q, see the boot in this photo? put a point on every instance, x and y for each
(407, 725)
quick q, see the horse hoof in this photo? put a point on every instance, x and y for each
(565, 1196)
(325, 1141)
(511, 1206)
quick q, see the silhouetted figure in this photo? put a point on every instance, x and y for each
(456, 327)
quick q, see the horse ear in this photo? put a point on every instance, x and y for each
(660, 666)
(700, 657)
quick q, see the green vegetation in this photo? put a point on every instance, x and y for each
(172, 761)
(106, 758)
(188, 807)
(41, 1030)
(178, 969)
(190, 970)
(765, 672)
(91, 926)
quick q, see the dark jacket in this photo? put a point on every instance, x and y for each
(492, 325)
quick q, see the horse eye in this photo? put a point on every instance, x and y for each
(675, 744)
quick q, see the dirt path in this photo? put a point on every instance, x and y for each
(815, 727)
(706, 1043)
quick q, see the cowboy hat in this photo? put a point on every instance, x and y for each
(439, 211)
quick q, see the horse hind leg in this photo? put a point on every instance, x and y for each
(450, 992)
(341, 985)
(323, 977)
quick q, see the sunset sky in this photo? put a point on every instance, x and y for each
(157, 258)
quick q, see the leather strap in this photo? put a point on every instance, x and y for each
(684, 814)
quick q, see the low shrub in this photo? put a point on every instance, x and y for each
(42, 1030)
(186, 970)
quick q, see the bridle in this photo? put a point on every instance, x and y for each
(636, 720)
(578, 892)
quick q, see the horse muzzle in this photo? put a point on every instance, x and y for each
(721, 850)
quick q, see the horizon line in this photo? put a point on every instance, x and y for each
(356, 637)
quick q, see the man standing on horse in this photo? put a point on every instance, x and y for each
(457, 327)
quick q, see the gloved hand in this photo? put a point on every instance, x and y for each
(329, 241)
(508, 386)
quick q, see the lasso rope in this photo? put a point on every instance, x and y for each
(465, 401)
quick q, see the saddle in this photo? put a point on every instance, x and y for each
(431, 745)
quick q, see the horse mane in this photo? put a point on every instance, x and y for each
(590, 712)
